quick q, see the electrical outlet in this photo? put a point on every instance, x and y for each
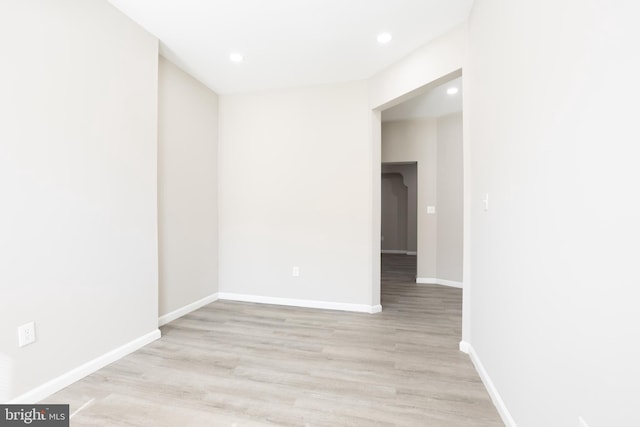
(26, 334)
(431, 210)
(582, 422)
(295, 272)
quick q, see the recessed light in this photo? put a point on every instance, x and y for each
(236, 57)
(384, 38)
(452, 90)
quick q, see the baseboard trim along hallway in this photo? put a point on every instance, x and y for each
(442, 282)
(175, 314)
(508, 420)
(359, 308)
(47, 389)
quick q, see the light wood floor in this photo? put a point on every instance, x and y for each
(243, 364)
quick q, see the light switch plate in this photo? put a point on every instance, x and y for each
(485, 201)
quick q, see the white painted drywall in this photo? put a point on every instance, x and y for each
(427, 65)
(78, 186)
(554, 141)
(295, 189)
(434, 103)
(416, 141)
(449, 198)
(187, 188)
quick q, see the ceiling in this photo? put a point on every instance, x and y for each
(435, 103)
(289, 43)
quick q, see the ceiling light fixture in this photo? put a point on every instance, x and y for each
(452, 90)
(236, 57)
(384, 38)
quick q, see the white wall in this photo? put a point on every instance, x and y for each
(431, 64)
(187, 189)
(78, 186)
(449, 206)
(553, 112)
(295, 189)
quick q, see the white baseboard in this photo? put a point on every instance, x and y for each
(398, 252)
(47, 389)
(507, 419)
(375, 309)
(170, 317)
(360, 308)
(465, 347)
(442, 282)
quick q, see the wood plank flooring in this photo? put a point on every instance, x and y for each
(242, 364)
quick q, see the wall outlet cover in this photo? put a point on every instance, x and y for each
(26, 334)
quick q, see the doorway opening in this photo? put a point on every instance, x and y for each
(424, 132)
(399, 220)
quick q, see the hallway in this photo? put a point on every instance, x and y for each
(245, 364)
